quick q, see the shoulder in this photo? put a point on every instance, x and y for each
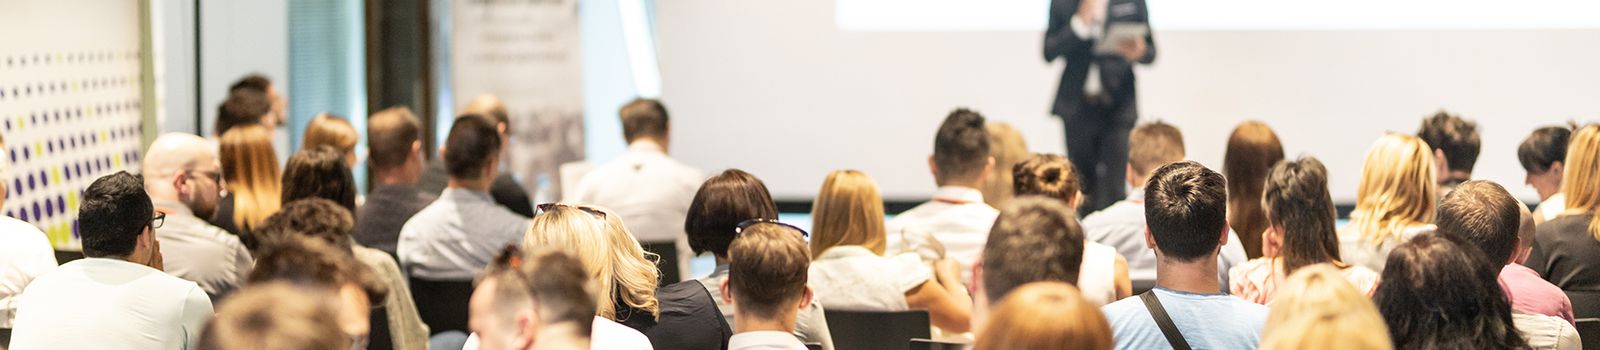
(609, 334)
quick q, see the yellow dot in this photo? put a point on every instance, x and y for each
(55, 175)
(72, 201)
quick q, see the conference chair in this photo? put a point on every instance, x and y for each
(929, 344)
(877, 329)
(1585, 304)
(1589, 331)
(442, 305)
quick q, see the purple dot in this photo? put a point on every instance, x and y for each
(13, 155)
(22, 215)
(43, 178)
(30, 182)
(66, 170)
(50, 147)
(49, 210)
(36, 211)
(27, 154)
(61, 204)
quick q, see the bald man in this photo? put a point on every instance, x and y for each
(184, 180)
(505, 190)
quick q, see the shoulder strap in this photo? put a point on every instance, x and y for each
(1165, 322)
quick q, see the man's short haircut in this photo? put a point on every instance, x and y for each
(1186, 206)
(473, 141)
(643, 118)
(722, 202)
(242, 107)
(1484, 214)
(253, 82)
(1457, 137)
(1543, 148)
(554, 283)
(767, 269)
(1035, 239)
(1048, 175)
(390, 133)
(319, 173)
(308, 218)
(276, 316)
(114, 213)
(1153, 144)
(961, 148)
(314, 262)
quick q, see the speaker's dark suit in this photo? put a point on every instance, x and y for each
(1097, 126)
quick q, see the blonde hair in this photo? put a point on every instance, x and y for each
(1045, 315)
(250, 167)
(1397, 190)
(849, 211)
(1581, 181)
(330, 130)
(1008, 148)
(617, 265)
(1318, 309)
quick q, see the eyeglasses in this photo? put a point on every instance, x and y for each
(156, 222)
(215, 176)
(752, 222)
(549, 207)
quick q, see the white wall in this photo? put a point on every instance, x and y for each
(775, 88)
(239, 38)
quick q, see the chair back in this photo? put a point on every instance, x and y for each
(877, 330)
(1585, 304)
(1589, 331)
(442, 305)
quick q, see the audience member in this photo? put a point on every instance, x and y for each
(1485, 215)
(1542, 155)
(1252, 150)
(1122, 225)
(1440, 293)
(1527, 291)
(504, 188)
(245, 107)
(312, 262)
(319, 173)
(394, 142)
(260, 84)
(1035, 239)
(328, 130)
(722, 203)
(25, 253)
(184, 180)
(1045, 315)
(276, 316)
(766, 285)
(1008, 148)
(1187, 209)
(250, 168)
(1564, 249)
(646, 186)
(1394, 202)
(1103, 277)
(455, 236)
(320, 218)
(957, 218)
(1318, 309)
(1300, 230)
(1454, 142)
(681, 316)
(542, 300)
(851, 272)
(117, 293)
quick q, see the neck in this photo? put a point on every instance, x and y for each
(641, 141)
(968, 183)
(744, 323)
(1198, 276)
(480, 185)
(1458, 176)
(561, 336)
(395, 176)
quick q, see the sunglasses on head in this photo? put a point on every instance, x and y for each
(549, 207)
(757, 221)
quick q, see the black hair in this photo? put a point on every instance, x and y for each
(1035, 239)
(722, 202)
(1457, 137)
(961, 148)
(254, 81)
(1186, 206)
(115, 211)
(242, 107)
(1543, 148)
(1484, 214)
(310, 217)
(473, 142)
(319, 173)
(1296, 198)
(1440, 293)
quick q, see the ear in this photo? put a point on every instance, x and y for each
(528, 325)
(805, 299)
(441, 152)
(1441, 164)
(416, 148)
(933, 167)
(1128, 175)
(179, 179)
(1557, 167)
(1149, 239)
(727, 294)
(501, 127)
(1077, 201)
(988, 170)
(1225, 233)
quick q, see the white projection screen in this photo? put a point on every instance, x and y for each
(790, 90)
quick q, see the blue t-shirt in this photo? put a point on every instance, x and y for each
(1207, 321)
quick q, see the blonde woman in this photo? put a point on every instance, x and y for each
(1395, 201)
(1045, 315)
(1318, 309)
(1008, 148)
(624, 278)
(250, 168)
(850, 271)
(335, 131)
(1564, 248)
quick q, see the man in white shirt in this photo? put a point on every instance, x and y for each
(25, 253)
(767, 286)
(540, 300)
(650, 190)
(184, 180)
(957, 217)
(117, 295)
(455, 236)
(1122, 225)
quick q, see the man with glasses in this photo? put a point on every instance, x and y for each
(184, 180)
(117, 296)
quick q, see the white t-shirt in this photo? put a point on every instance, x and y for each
(854, 278)
(1552, 207)
(97, 303)
(650, 191)
(607, 334)
(957, 217)
(25, 253)
(1097, 276)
